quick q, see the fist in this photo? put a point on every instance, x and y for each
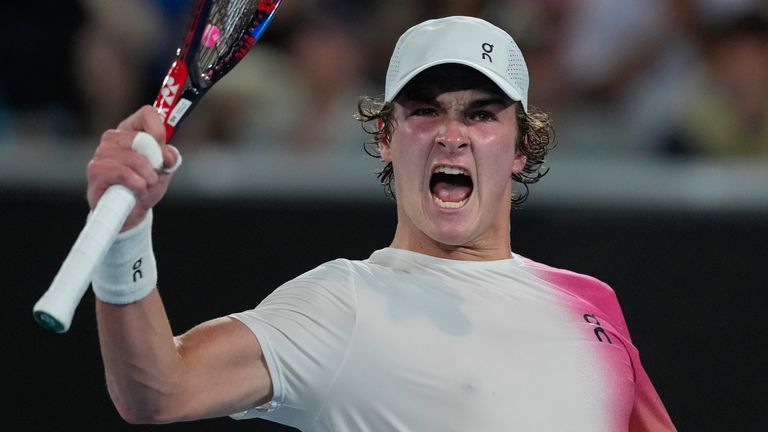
(117, 161)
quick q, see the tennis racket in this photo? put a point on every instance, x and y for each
(220, 33)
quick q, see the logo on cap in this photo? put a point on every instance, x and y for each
(487, 50)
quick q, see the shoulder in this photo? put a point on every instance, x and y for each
(340, 270)
(332, 279)
(317, 301)
(583, 286)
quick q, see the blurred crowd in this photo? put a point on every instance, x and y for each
(673, 78)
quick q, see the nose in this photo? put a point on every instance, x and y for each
(452, 135)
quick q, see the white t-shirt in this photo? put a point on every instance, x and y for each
(409, 342)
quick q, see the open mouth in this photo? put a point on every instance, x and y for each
(450, 187)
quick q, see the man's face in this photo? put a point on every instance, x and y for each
(453, 156)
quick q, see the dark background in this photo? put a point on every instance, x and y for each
(692, 286)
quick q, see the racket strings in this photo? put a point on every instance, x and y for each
(226, 26)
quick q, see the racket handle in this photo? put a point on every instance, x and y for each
(55, 309)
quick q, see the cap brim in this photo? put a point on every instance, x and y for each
(501, 82)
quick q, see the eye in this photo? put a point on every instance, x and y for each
(424, 111)
(482, 116)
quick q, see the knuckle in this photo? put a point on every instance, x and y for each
(95, 170)
(108, 135)
(91, 168)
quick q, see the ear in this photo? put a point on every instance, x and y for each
(519, 163)
(385, 149)
(520, 159)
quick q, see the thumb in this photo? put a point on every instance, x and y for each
(171, 159)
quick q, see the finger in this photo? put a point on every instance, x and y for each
(145, 119)
(116, 152)
(118, 138)
(104, 173)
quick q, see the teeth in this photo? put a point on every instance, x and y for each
(449, 204)
(449, 170)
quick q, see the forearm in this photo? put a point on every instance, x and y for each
(142, 366)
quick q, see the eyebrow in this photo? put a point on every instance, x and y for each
(477, 103)
(491, 100)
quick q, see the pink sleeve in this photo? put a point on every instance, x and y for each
(648, 411)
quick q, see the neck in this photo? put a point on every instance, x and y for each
(488, 248)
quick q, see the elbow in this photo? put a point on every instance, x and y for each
(133, 417)
(142, 410)
(137, 414)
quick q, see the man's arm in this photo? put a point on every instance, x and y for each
(215, 369)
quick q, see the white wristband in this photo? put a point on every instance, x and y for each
(128, 272)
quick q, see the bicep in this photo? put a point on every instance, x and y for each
(225, 368)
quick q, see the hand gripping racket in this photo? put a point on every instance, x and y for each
(219, 35)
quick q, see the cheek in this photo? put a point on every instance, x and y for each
(406, 145)
(501, 152)
(508, 144)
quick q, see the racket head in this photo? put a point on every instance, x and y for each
(220, 33)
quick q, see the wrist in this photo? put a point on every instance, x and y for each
(128, 271)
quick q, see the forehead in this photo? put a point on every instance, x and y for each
(433, 82)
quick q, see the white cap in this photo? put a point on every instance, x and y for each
(463, 40)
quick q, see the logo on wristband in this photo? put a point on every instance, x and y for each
(137, 270)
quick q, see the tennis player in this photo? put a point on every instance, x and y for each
(444, 329)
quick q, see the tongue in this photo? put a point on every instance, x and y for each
(450, 192)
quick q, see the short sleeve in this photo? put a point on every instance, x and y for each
(304, 328)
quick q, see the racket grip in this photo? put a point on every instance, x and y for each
(55, 309)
